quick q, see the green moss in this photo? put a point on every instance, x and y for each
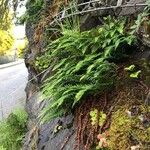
(126, 131)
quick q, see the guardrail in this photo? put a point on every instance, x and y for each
(64, 14)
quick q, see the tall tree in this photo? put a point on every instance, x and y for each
(6, 39)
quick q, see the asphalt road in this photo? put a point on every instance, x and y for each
(12, 84)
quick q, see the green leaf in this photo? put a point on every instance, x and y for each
(130, 68)
(79, 95)
(59, 64)
(135, 74)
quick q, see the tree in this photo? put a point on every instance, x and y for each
(6, 39)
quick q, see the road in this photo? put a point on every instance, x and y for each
(12, 84)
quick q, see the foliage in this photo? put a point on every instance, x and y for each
(130, 68)
(21, 46)
(4, 13)
(133, 72)
(6, 41)
(93, 115)
(96, 116)
(126, 131)
(33, 11)
(141, 18)
(81, 67)
(148, 3)
(12, 130)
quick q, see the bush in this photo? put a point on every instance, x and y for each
(6, 41)
(21, 46)
(12, 130)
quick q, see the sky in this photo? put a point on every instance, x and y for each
(19, 30)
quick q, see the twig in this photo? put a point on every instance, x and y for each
(105, 8)
(108, 115)
(105, 103)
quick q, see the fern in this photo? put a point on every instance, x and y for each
(81, 66)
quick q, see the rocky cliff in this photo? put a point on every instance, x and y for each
(61, 133)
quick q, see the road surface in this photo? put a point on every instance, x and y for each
(12, 84)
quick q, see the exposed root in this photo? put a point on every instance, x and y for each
(127, 94)
(86, 132)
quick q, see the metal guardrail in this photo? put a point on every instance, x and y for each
(64, 14)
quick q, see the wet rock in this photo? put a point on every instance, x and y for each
(147, 100)
(132, 10)
(43, 137)
(145, 119)
(88, 22)
(65, 138)
(135, 110)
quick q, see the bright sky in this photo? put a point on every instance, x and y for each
(19, 30)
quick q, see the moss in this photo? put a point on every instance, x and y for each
(127, 131)
(119, 130)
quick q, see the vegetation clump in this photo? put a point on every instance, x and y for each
(82, 64)
(6, 41)
(34, 9)
(130, 125)
(12, 130)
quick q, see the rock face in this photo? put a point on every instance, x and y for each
(59, 133)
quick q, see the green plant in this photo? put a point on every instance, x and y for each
(2, 148)
(133, 73)
(96, 116)
(130, 68)
(33, 11)
(12, 130)
(93, 115)
(81, 67)
(141, 17)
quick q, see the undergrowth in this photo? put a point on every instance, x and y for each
(82, 64)
(33, 11)
(12, 130)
